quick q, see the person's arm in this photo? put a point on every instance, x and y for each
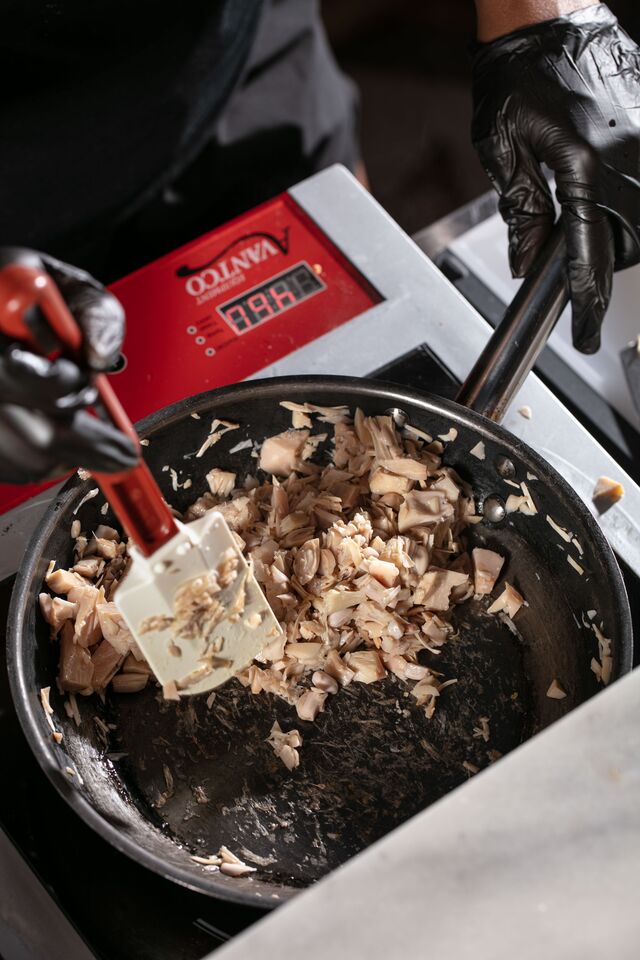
(557, 83)
(499, 17)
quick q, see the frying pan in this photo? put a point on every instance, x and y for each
(371, 760)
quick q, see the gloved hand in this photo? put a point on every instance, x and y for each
(44, 428)
(566, 93)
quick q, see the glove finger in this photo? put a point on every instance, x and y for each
(527, 208)
(98, 312)
(37, 447)
(95, 445)
(590, 241)
(25, 439)
(525, 201)
(35, 382)
(590, 258)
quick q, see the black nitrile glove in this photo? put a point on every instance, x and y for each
(565, 93)
(44, 428)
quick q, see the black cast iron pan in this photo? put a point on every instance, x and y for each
(370, 761)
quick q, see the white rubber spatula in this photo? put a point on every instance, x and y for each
(195, 608)
(189, 598)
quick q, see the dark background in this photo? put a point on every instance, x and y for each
(410, 60)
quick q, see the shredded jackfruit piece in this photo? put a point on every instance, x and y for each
(217, 431)
(607, 492)
(285, 745)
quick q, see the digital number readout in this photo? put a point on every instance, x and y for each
(271, 298)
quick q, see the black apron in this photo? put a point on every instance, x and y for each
(139, 126)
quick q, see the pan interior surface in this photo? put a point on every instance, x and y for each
(163, 781)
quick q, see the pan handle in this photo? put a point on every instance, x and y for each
(519, 338)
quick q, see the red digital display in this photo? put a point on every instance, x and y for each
(271, 298)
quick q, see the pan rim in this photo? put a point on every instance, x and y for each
(240, 891)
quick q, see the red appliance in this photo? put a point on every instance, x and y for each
(225, 306)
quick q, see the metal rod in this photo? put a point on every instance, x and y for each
(521, 335)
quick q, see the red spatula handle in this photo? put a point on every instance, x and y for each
(134, 494)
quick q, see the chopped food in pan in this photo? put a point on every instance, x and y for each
(358, 543)
(286, 745)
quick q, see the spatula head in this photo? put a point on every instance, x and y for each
(195, 608)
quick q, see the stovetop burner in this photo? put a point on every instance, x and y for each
(120, 909)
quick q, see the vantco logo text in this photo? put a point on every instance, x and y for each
(226, 269)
